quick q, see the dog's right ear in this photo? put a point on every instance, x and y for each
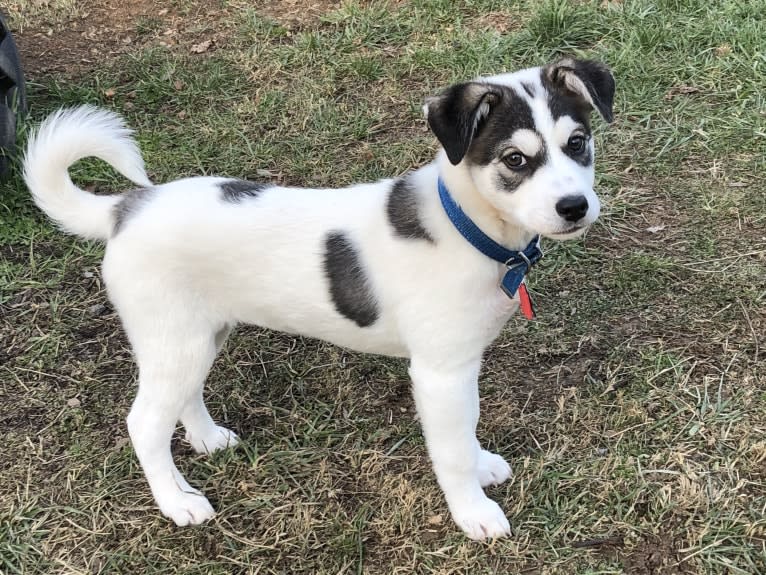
(457, 113)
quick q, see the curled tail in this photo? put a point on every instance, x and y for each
(69, 135)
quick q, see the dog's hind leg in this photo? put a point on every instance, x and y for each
(173, 362)
(201, 431)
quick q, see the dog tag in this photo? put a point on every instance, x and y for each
(525, 302)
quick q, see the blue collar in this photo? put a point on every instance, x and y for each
(518, 262)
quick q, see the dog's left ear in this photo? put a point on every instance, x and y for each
(455, 116)
(588, 79)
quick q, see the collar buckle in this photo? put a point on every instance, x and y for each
(510, 264)
(526, 257)
(518, 262)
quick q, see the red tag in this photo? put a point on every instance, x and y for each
(525, 302)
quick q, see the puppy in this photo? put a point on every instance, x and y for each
(385, 268)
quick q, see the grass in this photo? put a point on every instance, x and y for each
(633, 410)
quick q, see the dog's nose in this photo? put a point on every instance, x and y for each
(572, 208)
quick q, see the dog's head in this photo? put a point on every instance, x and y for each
(525, 140)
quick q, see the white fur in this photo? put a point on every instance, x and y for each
(187, 266)
(525, 141)
(52, 150)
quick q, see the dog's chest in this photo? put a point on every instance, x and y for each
(500, 309)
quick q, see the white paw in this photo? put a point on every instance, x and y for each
(492, 469)
(185, 507)
(482, 520)
(212, 439)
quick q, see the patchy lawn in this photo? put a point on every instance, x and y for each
(633, 409)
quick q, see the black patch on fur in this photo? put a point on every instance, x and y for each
(596, 78)
(529, 89)
(349, 287)
(403, 212)
(510, 113)
(453, 115)
(512, 179)
(564, 103)
(130, 203)
(584, 158)
(599, 81)
(235, 191)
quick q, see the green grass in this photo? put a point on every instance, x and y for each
(633, 410)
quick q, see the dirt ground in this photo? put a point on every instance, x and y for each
(107, 28)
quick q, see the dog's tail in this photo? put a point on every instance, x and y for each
(65, 137)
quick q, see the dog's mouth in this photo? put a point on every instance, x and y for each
(569, 233)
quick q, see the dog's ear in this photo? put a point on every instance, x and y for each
(588, 79)
(455, 116)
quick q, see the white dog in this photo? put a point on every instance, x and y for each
(383, 268)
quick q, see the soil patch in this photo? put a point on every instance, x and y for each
(83, 40)
(108, 28)
(655, 556)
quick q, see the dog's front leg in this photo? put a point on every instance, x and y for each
(447, 401)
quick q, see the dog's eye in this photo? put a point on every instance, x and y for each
(515, 160)
(576, 144)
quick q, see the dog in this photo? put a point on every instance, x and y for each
(385, 267)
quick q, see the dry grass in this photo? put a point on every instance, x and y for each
(35, 12)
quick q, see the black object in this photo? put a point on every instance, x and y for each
(12, 94)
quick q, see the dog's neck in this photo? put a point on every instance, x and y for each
(463, 189)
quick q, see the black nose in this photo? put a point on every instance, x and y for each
(572, 208)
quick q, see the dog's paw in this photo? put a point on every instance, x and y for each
(482, 520)
(212, 439)
(187, 507)
(492, 469)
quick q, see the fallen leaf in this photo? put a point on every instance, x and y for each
(74, 402)
(109, 93)
(723, 50)
(655, 229)
(97, 309)
(201, 47)
(435, 519)
(680, 91)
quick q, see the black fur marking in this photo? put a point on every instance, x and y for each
(596, 78)
(512, 179)
(403, 212)
(529, 89)
(510, 113)
(235, 191)
(349, 287)
(565, 103)
(584, 158)
(130, 203)
(453, 116)
(599, 82)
